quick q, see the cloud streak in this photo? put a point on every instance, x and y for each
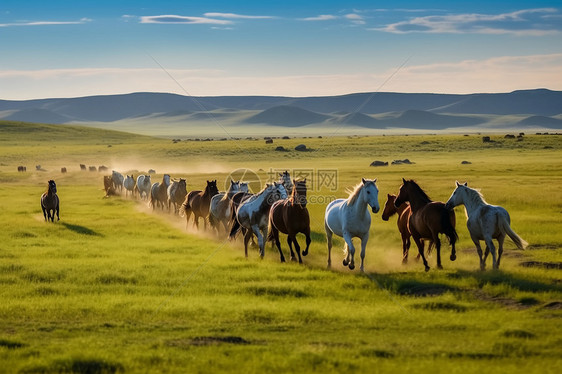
(175, 19)
(46, 23)
(527, 22)
(235, 16)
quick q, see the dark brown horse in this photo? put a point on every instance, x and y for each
(404, 212)
(50, 202)
(237, 199)
(198, 203)
(429, 219)
(290, 217)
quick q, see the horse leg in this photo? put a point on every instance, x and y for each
(58, 213)
(44, 212)
(261, 244)
(420, 243)
(492, 248)
(297, 248)
(500, 239)
(438, 249)
(247, 236)
(364, 241)
(329, 234)
(350, 258)
(479, 251)
(290, 244)
(275, 234)
(405, 247)
(308, 241)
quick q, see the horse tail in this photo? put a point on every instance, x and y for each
(503, 221)
(448, 223)
(235, 228)
(185, 209)
(270, 228)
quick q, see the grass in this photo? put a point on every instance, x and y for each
(114, 287)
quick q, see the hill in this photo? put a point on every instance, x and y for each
(289, 116)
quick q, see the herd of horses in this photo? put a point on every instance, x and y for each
(281, 207)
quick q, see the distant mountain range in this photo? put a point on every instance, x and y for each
(540, 108)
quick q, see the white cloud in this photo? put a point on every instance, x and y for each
(175, 19)
(235, 16)
(355, 18)
(321, 17)
(46, 23)
(500, 74)
(532, 22)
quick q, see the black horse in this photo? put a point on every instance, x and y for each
(50, 202)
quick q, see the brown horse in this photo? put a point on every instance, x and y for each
(429, 219)
(290, 216)
(50, 202)
(198, 203)
(404, 212)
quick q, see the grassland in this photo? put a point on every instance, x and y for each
(115, 287)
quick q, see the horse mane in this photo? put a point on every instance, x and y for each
(354, 193)
(255, 196)
(421, 192)
(475, 195)
(293, 196)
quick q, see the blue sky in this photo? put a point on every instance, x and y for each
(292, 48)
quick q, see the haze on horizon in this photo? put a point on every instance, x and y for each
(293, 48)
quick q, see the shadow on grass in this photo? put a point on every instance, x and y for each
(77, 365)
(81, 229)
(497, 277)
(406, 285)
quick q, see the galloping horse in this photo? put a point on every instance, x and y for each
(198, 203)
(404, 212)
(484, 222)
(429, 219)
(350, 218)
(129, 184)
(220, 207)
(117, 179)
(143, 186)
(176, 194)
(159, 192)
(290, 216)
(253, 214)
(50, 202)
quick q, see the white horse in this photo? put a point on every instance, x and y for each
(219, 211)
(350, 218)
(484, 222)
(117, 179)
(129, 184)
(143, 186)
(253, 214)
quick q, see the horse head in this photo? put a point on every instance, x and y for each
(403, 193)
(299, 193)
(457, 197)
(370, 194)
(212, 188)
(389, 208)
(244, 187)
(52, 186)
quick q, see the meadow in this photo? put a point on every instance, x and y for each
(116, 287)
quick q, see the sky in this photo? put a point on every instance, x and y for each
(283, 48)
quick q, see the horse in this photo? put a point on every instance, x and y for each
(404, 212)
(220, 207)
(143, 186)
(50, 202)
(290, 216)
(129, 184)
(176, 194)
(117, 179)
(159, 192)
(198, 203)
(429, 219)
(285, 179)
(350, 218)
(485, 222)
(253, 214)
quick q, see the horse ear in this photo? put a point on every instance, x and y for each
(388, 195)
(363, 180)
(466, 184)
(457, 183)
(403, 180)
(375, 180)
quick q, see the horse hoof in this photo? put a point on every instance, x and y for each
(305, 253)
(351, 266)
(404, 261)
(453, 257)
(427, 268)
(344, 262)
(440, 267)
(293, 259)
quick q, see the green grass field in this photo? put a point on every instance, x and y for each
(115, 287)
